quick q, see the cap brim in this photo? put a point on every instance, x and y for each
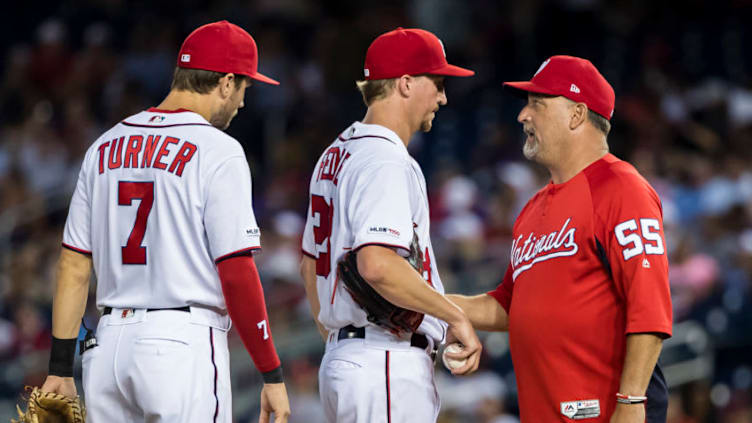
(521, 88)
(263, 78)
(451, 70)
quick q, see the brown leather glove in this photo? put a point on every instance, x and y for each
(48, 407)
(380, 311)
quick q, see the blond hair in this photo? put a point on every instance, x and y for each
(376, 89)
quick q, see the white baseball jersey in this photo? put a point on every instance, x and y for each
(366, 189)
(160, 197)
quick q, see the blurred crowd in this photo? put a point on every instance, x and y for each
(683, 118)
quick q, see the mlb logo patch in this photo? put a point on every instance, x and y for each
(156, 119)
(383, 230)
(185, 58)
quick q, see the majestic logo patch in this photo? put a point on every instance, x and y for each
(541, 247)
(577, 410)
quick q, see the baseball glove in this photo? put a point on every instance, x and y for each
(380, 311)
(48, 407)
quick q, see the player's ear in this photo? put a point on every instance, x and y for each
(226, 85)
(577, 115)
(405, 85)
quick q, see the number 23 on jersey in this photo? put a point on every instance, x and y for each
(321, 233)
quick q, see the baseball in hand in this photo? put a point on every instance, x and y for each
(451, 363)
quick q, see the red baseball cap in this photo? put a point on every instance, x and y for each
(574, 78)
(222, 47)
(409, 51)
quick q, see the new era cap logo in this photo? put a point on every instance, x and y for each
(366, 72)
(185, 58)
(574, 89)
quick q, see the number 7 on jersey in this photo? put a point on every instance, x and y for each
(133, 252)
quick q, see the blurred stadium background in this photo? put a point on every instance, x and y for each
(683, 77)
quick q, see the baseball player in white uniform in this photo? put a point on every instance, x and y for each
(367, 194)
(163, 211)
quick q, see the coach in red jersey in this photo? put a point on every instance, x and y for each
(586, 297)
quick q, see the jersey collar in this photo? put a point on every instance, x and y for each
(363, 130)
(155, 110)
(157, 118)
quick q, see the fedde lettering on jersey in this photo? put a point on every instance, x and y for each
(542, 247)
(331, 164)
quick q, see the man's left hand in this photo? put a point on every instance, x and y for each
(628, 413)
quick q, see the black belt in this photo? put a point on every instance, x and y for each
(349, 332)
(108, 310)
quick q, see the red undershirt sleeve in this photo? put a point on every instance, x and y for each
(244, 297)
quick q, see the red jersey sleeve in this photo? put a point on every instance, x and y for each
(628, 223)
(503, 292)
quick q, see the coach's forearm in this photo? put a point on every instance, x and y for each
(393, 277)
(71, 292)
(642, 354)
(484, 312)
(308, 273)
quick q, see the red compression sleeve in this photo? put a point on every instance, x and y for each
(244, 296)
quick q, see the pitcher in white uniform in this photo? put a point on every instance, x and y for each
(367, 194)
(163, 212)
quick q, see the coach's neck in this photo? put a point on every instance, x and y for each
(581, 149)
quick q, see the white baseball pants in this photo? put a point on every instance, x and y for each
(377, 379)
(159, 366)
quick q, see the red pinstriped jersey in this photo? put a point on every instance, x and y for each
(588, 266)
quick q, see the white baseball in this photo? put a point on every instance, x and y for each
(451, 363)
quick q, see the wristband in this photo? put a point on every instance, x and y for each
(630, 399)
(273, 376)
(61, 357)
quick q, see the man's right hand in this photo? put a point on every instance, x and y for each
(463, 332)
(60, 385)
(274, 400)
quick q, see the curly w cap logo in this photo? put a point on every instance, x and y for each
(537, 248)
(543, 65)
